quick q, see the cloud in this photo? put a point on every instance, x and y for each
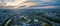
(18, 3)
(45, 7)
(49, 7)
(27, 4)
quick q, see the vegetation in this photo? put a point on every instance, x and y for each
(49, 18)
(8, 22)
(34, 15)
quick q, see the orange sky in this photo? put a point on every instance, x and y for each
(19, 3)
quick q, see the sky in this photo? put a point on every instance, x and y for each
(43, 3)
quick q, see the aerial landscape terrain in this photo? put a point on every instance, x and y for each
(29, 12)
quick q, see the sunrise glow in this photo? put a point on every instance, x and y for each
(19, 3)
